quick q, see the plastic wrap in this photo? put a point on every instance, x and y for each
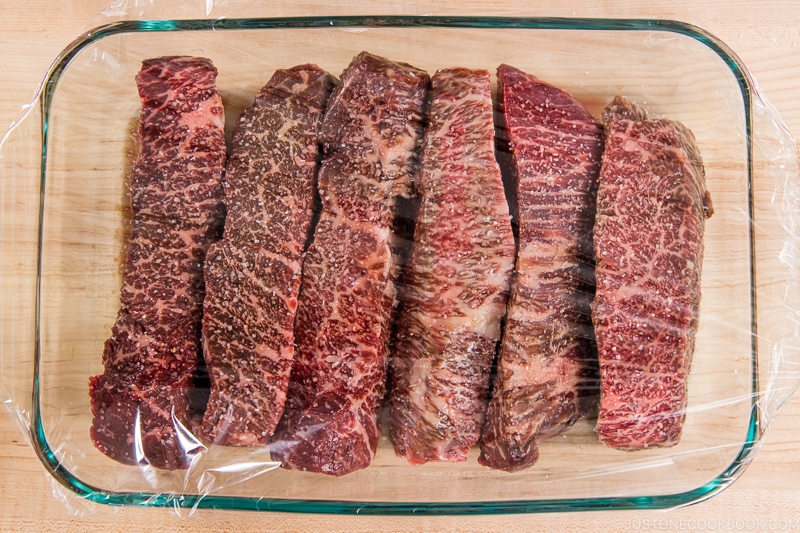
(65, 168)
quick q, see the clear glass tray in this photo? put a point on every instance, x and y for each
(64, 171)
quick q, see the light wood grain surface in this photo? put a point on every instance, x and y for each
(766, 35)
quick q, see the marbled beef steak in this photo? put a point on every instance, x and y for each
(546, 365)
(651, 209)
(371, 133)
(455, 290)
(253, 275)
(139, 403)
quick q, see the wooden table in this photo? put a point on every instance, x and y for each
(766, 35)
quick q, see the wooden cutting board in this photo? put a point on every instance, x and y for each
(765, 496)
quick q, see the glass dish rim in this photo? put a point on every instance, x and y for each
(99, 495)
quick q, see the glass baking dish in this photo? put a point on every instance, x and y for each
(63, 224)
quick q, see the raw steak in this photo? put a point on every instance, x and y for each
(371, 132)
(139, 403)
(454, 294)
(651, 209)
(253, 274)
(547, 365)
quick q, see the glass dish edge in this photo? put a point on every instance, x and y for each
(698, 494)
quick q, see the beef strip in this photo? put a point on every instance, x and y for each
(371, 132)
(454, 294)
(651, 209)
(547, 365)
(253, 275)
(140, 401)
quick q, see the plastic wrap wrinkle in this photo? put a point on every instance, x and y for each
(248, 476)
(770, 131)
(17, 250)
(154, 9)
(216, 479)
